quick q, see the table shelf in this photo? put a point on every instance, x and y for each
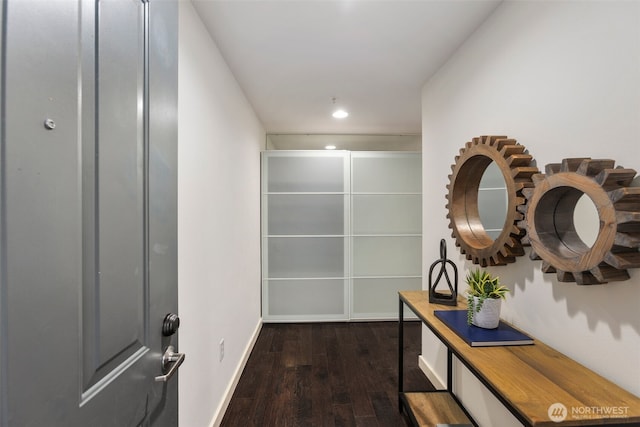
(524, 371)
(429, 409)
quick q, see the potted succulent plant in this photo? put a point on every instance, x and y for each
(484, 297)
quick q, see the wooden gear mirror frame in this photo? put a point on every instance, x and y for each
(550, 227)
(517, 167)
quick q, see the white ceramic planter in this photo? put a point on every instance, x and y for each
(489, 315)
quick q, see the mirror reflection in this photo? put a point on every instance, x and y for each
(492, 201)
(586, 220)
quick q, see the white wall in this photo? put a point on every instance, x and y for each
(563, 78)
(219, 223)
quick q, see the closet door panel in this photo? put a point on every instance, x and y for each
(304, 298)
(302, 257)
(387, 214)
(306, 214)
(377, 297)
(387, 256)
(305, 174)
(305, 229)
(387, 173)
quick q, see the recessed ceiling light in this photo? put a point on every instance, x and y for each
(340, 114)
(330, 147)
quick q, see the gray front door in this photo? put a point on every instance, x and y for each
(88, 250)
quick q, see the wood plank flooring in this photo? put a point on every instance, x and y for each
(326, 374)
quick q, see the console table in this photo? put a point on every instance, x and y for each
(526, 379)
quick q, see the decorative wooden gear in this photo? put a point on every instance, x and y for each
(551, 230)
(517, 167)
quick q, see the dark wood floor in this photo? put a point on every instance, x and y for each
(326, 374)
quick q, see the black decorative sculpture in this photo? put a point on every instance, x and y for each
(439, 297)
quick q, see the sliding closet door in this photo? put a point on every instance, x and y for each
(386, 224)
(342, 234)
(305, 244)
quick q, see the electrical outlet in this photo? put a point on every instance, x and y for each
(221, 349)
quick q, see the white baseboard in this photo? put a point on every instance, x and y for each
(222, 408)
(431, 376)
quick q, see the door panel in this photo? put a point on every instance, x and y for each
(88, 254)
(114, 188)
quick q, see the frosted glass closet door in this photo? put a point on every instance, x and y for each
(386, 243)
(387, 214)
(385, 172)
(299, 214)
(305, 236)
(387, 256)
(306, 172)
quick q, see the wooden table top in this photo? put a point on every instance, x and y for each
(531, 378)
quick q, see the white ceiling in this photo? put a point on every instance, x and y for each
(292, 57)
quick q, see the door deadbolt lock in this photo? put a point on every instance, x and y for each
(170, 324)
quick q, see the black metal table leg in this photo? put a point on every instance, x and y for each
(449, 370)
(400, 353)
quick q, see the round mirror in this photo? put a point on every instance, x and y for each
(581, 221)
(489, 236)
